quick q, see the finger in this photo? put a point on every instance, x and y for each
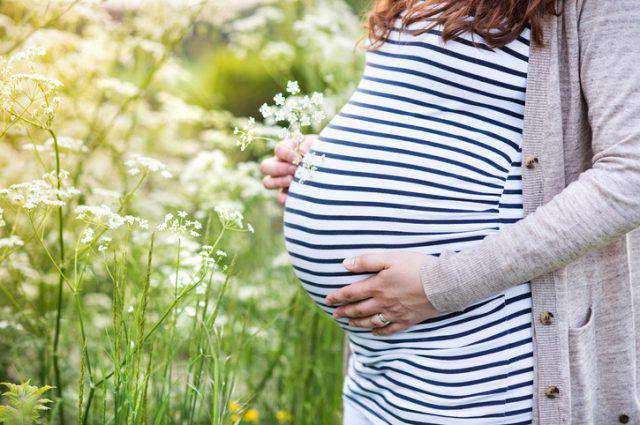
(365, 308)
(367, 322)
(391, 328)
(355, 292)
(282, 196)
(373, 262)
(307, 142)
(276, 182)
(286, 153)
(276, 168)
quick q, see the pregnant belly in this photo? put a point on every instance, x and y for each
(362, 199)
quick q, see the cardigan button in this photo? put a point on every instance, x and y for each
(551, 391)
(623, 419)
(546, 318)
(530, 161)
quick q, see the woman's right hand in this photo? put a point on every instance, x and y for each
(280, 168)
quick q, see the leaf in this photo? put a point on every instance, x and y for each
(25, 403)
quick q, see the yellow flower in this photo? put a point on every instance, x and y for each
(234, 406)
(283, 416)
(252, 415)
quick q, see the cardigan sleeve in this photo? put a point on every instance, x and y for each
(602, 204)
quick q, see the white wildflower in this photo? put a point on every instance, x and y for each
(293, 87)
(206, 258)
(47, 84)
(143, 164)
(104, 243)
(266, 111)
(247, 135)
(43, 192)
(11, 242)
(232, 220)
(279, 99)
(101, 215)
(296, 111)
(87, 236)
(308, 166)
(180, 225)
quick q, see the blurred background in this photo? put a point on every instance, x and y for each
(117, 117)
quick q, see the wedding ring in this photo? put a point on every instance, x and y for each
(381, 319)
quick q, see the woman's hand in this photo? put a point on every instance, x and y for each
(280, 168)
(395, 291)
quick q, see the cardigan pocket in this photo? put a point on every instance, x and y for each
(582, 348)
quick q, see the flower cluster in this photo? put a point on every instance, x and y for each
(233, 220)
(211, 257)
(42, 192)
(180, 225)
(26, 96)
(295, 110)
(211, 178)
(298, 111)
(247, 135)
(308, 166)
(10, 242)
(139, 164)
(102, 216)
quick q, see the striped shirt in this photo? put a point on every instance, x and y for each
(424, 157)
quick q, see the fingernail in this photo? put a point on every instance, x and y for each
(349, 262)
(292, 168)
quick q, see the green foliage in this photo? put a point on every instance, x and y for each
(129, 278)
(233, 83)
(26, 403)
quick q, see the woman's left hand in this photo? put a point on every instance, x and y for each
(395, 291)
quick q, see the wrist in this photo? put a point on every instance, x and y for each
(439, 283)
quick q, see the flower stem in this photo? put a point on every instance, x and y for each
(56, 337)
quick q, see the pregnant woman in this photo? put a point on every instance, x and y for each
(471, 226)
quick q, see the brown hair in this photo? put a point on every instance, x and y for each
(497, 21)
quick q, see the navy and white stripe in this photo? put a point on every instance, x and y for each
(425, 157)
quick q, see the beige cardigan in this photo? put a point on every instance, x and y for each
(581, 183)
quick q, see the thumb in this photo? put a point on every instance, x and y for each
(365, 263)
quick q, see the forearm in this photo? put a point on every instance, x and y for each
(602, 205)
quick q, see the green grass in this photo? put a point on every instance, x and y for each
(142, 329)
